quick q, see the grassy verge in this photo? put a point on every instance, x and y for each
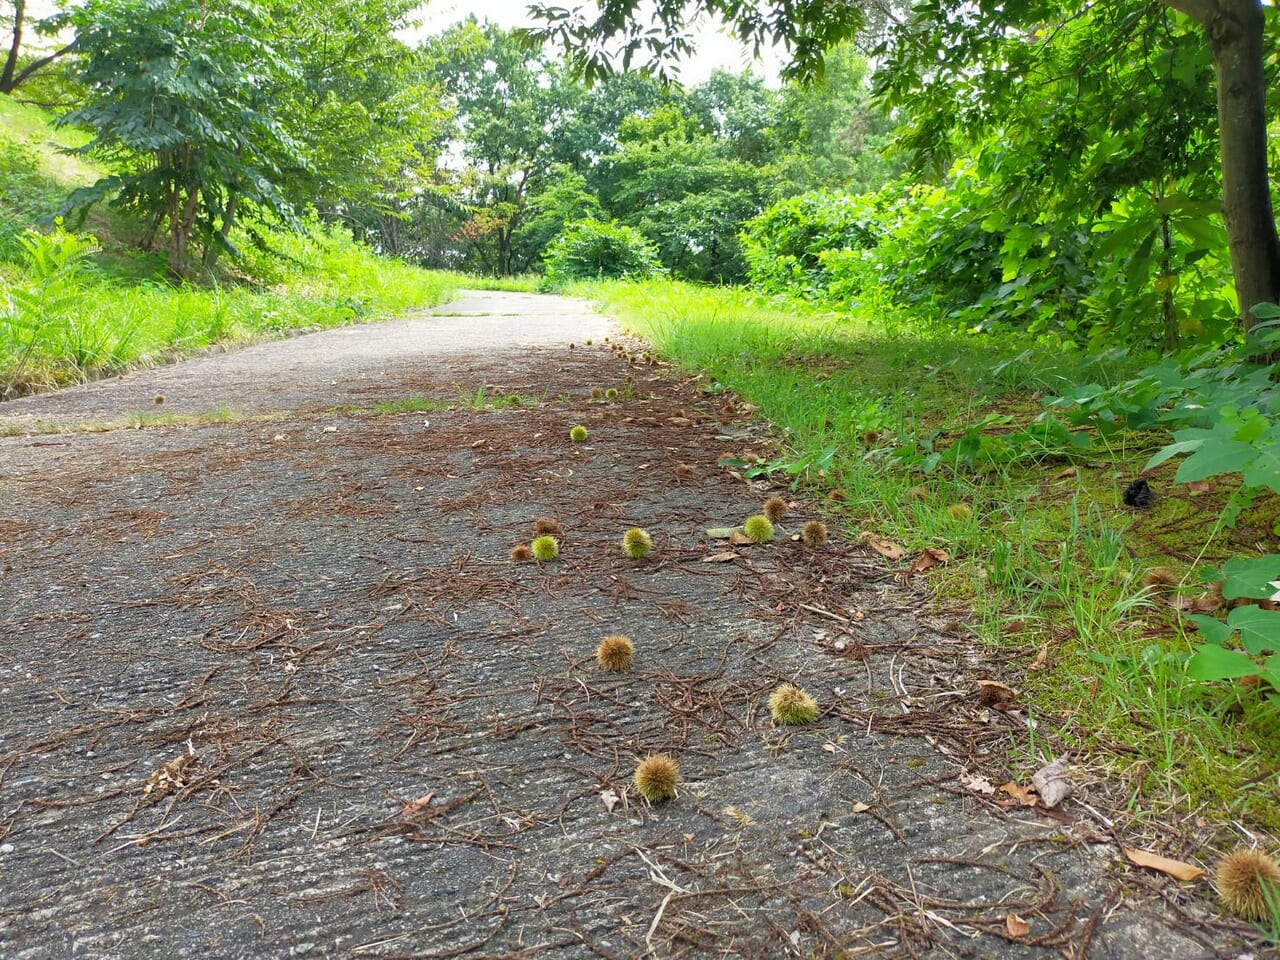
(72, 309)
(1044, 553)
(526, 283)
(79, 321)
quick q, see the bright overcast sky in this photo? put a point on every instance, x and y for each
(713, 49)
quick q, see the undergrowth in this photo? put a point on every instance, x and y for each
(897, 426)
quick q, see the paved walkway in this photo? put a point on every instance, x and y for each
(271, 686)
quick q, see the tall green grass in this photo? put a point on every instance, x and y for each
(1044, 555)
(69, 323)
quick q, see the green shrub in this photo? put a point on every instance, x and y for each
(785, 245)
(593, 250)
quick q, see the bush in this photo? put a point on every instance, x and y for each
(593, 250)
(784, 245)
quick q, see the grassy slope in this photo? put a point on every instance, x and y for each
(121, 310)
(1045, 553)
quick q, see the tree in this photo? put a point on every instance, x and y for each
(506, 104)
(14, 72)
(180, 103)
(1233, 31)
(683, 190)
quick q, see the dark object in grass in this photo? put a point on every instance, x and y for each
(1139, 494)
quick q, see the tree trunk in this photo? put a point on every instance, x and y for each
(1242, 117)
(11, 61)
(1235, 29)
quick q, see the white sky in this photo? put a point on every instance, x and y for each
(713, 49)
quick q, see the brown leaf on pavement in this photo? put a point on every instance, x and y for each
(1174, 868)
(1026, 796)
(886, 548)
(722, 557)
(1016, 926)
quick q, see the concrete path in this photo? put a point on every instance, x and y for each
(272, 686)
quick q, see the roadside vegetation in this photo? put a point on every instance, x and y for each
(990, 301)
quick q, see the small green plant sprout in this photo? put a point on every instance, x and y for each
(792, 706)
(657, 777)
(1248, 882)
(614, 654)
(759, 529)
(521, 553)
(814, 534)
(775, 508)
(544, 526)
(611, 393)
(546, 548)
(959, 511)
(578, 434)
(636, 543)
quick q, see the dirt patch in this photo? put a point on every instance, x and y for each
(275, 689)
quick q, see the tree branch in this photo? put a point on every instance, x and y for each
(1204, 11)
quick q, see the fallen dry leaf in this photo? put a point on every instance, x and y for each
(1016, 926)
(722, 557)
(860, 807)
(1038, 662)
(931, 557)
(1063, 474)
(976, 784)
(1024, 795)
(837, 494)
(886, 548)
(1052, 784)
(610, 799)
(415, 807)
(992, 692)
(740, 540)
(1197, 487)
(171, 775)
(1174, 868)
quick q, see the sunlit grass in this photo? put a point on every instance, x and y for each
(1045, 556)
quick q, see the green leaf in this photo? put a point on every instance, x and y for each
(1212, 662)
(1250, 576)
(1259, 629)
(1215, 631)
(1216, 456)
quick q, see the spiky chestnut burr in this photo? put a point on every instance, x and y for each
(775, 508)
(657, 777)
(814, 534)
(614, 654)
(636, 543)
(545, 548)
(578, 434)
(1246, 878)
(792, 706)
(543, 526)
(521, 553)
(758, 528)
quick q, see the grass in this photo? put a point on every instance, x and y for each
(526, 283)
(71, 312)
(1047, 558)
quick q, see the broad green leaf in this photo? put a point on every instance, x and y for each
(1212, 662)
(1215, 631)
(1215, 456)
(1259, 629)
(1250, 576)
